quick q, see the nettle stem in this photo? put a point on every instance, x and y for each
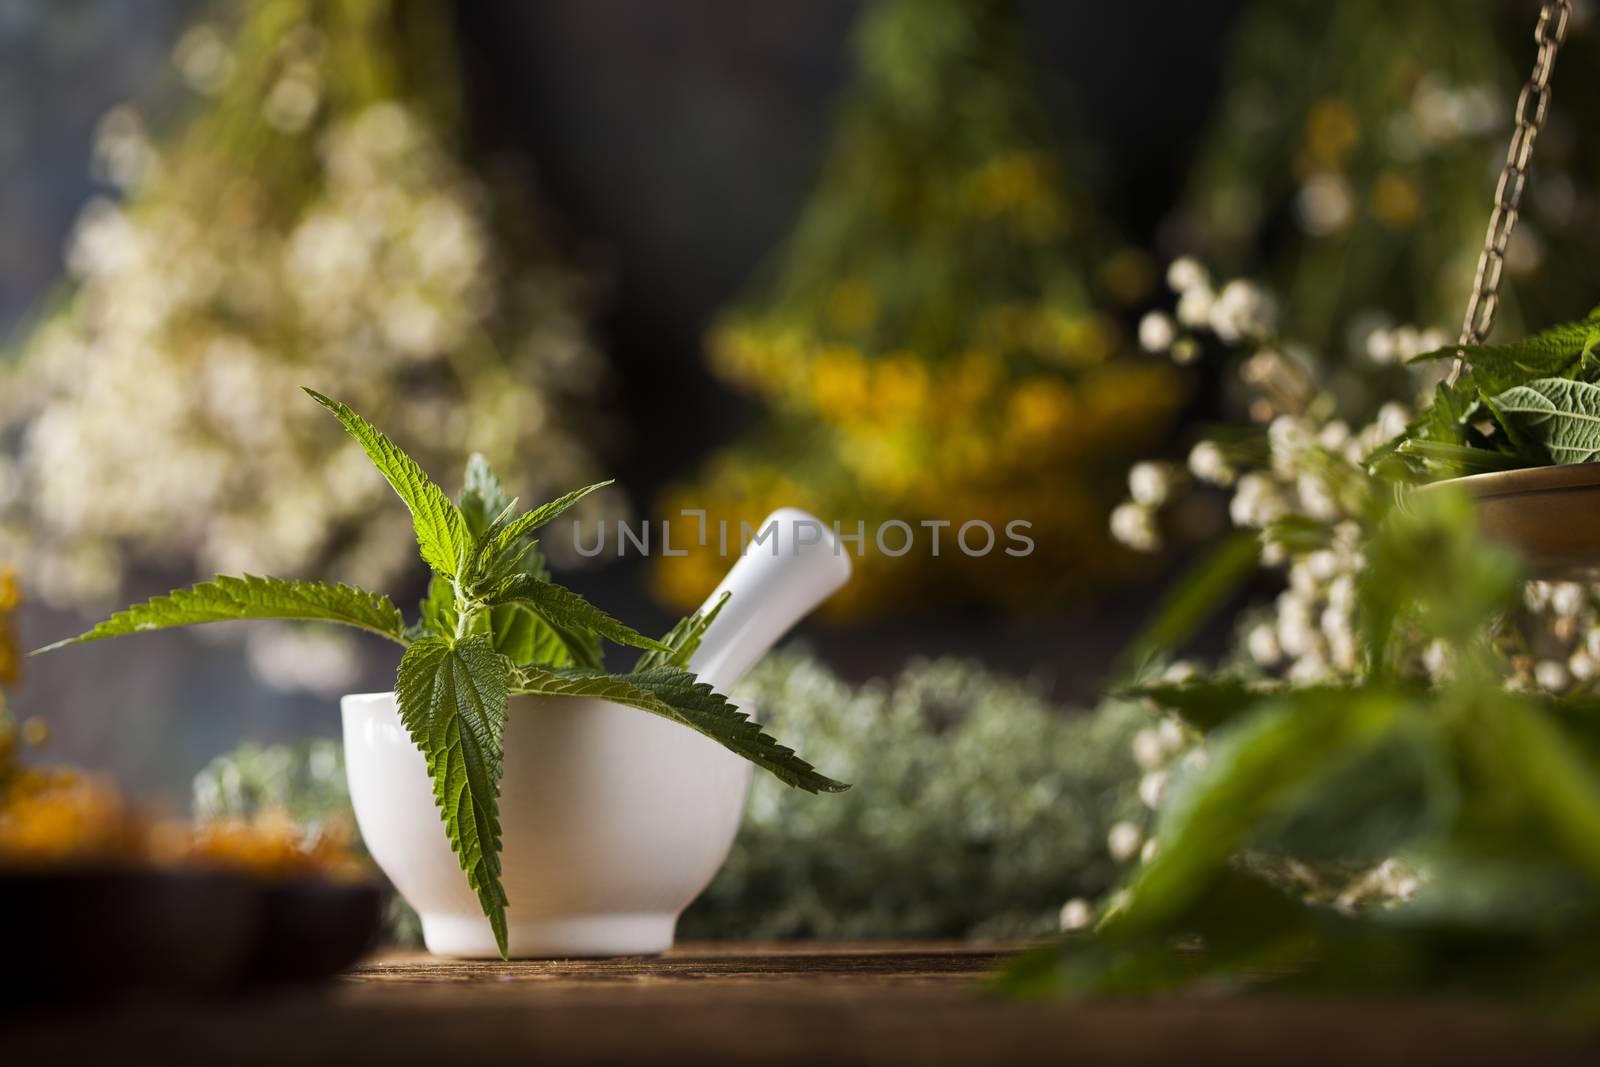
(463, 615)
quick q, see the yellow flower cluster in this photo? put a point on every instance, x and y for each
(1023, 189)
(59, 816)
(1331, 134)
(10, 652)
(54, 816)
(270, 845)
(899, 437)
(836, 377)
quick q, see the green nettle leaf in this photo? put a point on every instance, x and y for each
(442, 534)
(482, 495)
(683, 639)
(676, 695)
(452, 699)
(250, 597)
(1560, 414)
(565, 610)
(1553, 353)
(524, 638)
(499, 542)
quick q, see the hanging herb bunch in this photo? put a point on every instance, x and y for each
(1347, 169)
(309, 216)
(929, 341)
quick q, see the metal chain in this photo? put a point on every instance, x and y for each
(1533, 106)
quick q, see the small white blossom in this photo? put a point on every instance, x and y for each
(1316, 498)
(1076, 914)
(1288, 437)
(1152, 787)
(1150, 483)
(1341, 593)
(1391, 422)
(1582, 666)
(1148, 853)
(1134, 525)
(1123, 841)
(292, 101)
(1157, 331)
(1172, 735)
(1567, 599)
(1187, 273)
(1240, 310)
(1309, 669)
(203, 59)
(1381, 347)
(1536, 595)
(1148, 751)
(1296, 636)
(1256, 502)
(1208, 463)
(1551, 676)
(1324, 565)
(1262, 644)
(1179, 672)
(1194, 307)
(1325, 205)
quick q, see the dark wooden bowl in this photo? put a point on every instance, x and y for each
(89, 933)
(95, 933)
(1550, 514)
(314, 928)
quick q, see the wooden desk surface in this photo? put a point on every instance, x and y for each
(741, 1003)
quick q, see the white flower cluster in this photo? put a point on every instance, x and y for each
(157, 415)
(1307, 466)
(1560, 639)
(1159, 750)
(1385, 346)
(1234, 312)
(1307, 459)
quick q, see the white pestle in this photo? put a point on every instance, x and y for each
(798, 563)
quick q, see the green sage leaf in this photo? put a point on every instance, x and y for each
(1560, 414)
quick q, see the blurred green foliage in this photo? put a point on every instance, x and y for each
(1490, 795)
(979, 808)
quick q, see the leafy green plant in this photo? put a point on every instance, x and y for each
(983, 807)
(1491, 795)
(1526, 404)
(493, 625)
